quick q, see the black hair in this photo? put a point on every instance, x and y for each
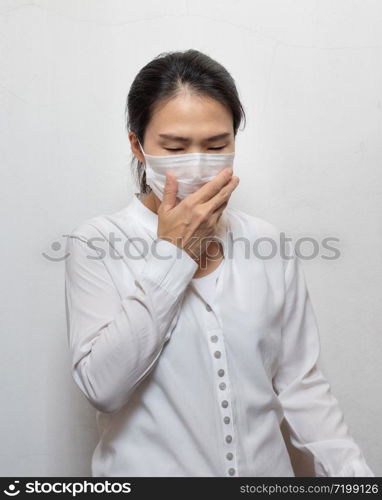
(165, 77)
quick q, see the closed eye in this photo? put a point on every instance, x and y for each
(180, 149)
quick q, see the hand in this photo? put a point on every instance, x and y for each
(192, 222)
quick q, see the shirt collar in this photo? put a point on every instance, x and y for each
(149, 219)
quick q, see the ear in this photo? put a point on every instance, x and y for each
(135, 149)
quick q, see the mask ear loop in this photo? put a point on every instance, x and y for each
(140, 145)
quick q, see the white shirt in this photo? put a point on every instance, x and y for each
(184, 387)
(206, 285)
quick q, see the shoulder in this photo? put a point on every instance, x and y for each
(80, 243)
(266, 239)
(88, 228)
(252, 225)
(100, 238)
(101, 226)
(93, 237)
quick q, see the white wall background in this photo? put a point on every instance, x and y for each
(310, 77)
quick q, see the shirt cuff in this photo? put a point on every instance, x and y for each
(169, 266)
(356, 468)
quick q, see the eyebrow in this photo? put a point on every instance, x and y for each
(186, 139)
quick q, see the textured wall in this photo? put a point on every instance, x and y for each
(310, 76)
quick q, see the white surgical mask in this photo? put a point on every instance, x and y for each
(192, 170)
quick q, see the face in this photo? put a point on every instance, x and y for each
(187, 124)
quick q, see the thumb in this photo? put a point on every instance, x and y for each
(170, 191)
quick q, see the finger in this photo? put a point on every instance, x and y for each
(212, 187)
(222, 197)
(215, 216)
(219, 210)
(170, 191)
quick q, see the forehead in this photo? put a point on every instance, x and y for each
(189, 114)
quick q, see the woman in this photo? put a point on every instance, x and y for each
(192, 348)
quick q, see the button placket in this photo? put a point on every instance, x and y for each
(222, 387)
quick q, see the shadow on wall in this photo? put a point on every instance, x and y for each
(302, 463)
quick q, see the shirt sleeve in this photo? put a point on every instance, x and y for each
(115, 343)
(316, 422)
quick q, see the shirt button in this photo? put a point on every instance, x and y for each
(227, 420)
(217, 354)
(136, 283)
(214, 338)
(224, 403)
(231, 471)
(228, 438)
(221, 372)
(208, 307)
(222, 386)
(229, 456)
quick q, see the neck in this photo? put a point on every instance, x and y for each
(152, 202)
